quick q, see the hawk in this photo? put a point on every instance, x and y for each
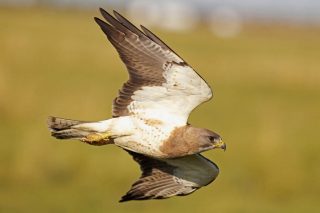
(150, 115)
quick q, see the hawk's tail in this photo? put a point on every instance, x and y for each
(63, 128)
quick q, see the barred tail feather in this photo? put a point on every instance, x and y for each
(56, 123)
(62, 128)
(69, 134)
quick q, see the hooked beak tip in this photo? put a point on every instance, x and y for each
(224, 147)
(221, 145)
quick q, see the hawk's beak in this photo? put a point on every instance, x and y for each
(220, 144)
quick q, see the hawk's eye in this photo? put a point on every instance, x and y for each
(211, 138)
(215, 138)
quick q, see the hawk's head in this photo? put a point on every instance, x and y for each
(204, 139)
(189, 140)
(209, 140)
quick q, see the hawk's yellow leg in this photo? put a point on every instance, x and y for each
(98, 138)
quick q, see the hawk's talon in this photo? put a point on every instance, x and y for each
(96, 137)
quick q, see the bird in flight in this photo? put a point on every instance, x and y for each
(150, 115)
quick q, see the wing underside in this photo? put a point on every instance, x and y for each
(154, 71)
(166, 178)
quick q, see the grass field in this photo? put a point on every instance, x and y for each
(266, 106)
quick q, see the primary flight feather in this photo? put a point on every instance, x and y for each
(150, 115)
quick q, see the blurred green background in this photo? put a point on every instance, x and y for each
(266, 106)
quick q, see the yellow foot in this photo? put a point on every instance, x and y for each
(98, 138)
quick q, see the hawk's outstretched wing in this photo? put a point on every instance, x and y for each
(166, 178)
(161, 85)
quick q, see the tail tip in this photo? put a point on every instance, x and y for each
(50, 121)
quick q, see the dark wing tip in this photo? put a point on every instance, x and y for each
(104, 13)
(97, 20)
(109, 30)
(126, 198)
(116, 13)
(126, 23)
(135, 196)
(103, 25)
(122, 200)
(130, 196)
(113, 21)
(119, 16)
(102, 10)
(143, 27)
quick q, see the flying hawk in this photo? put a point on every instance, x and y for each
(150, 115)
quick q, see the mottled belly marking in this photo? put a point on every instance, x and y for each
(153, 122)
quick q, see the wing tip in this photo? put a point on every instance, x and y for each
(100, 22)
(125, 198)
(122, 200)
(102, 10)
(116, 13)
(97, 20)
(130, 196)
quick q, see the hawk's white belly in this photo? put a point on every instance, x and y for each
(143, 136)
